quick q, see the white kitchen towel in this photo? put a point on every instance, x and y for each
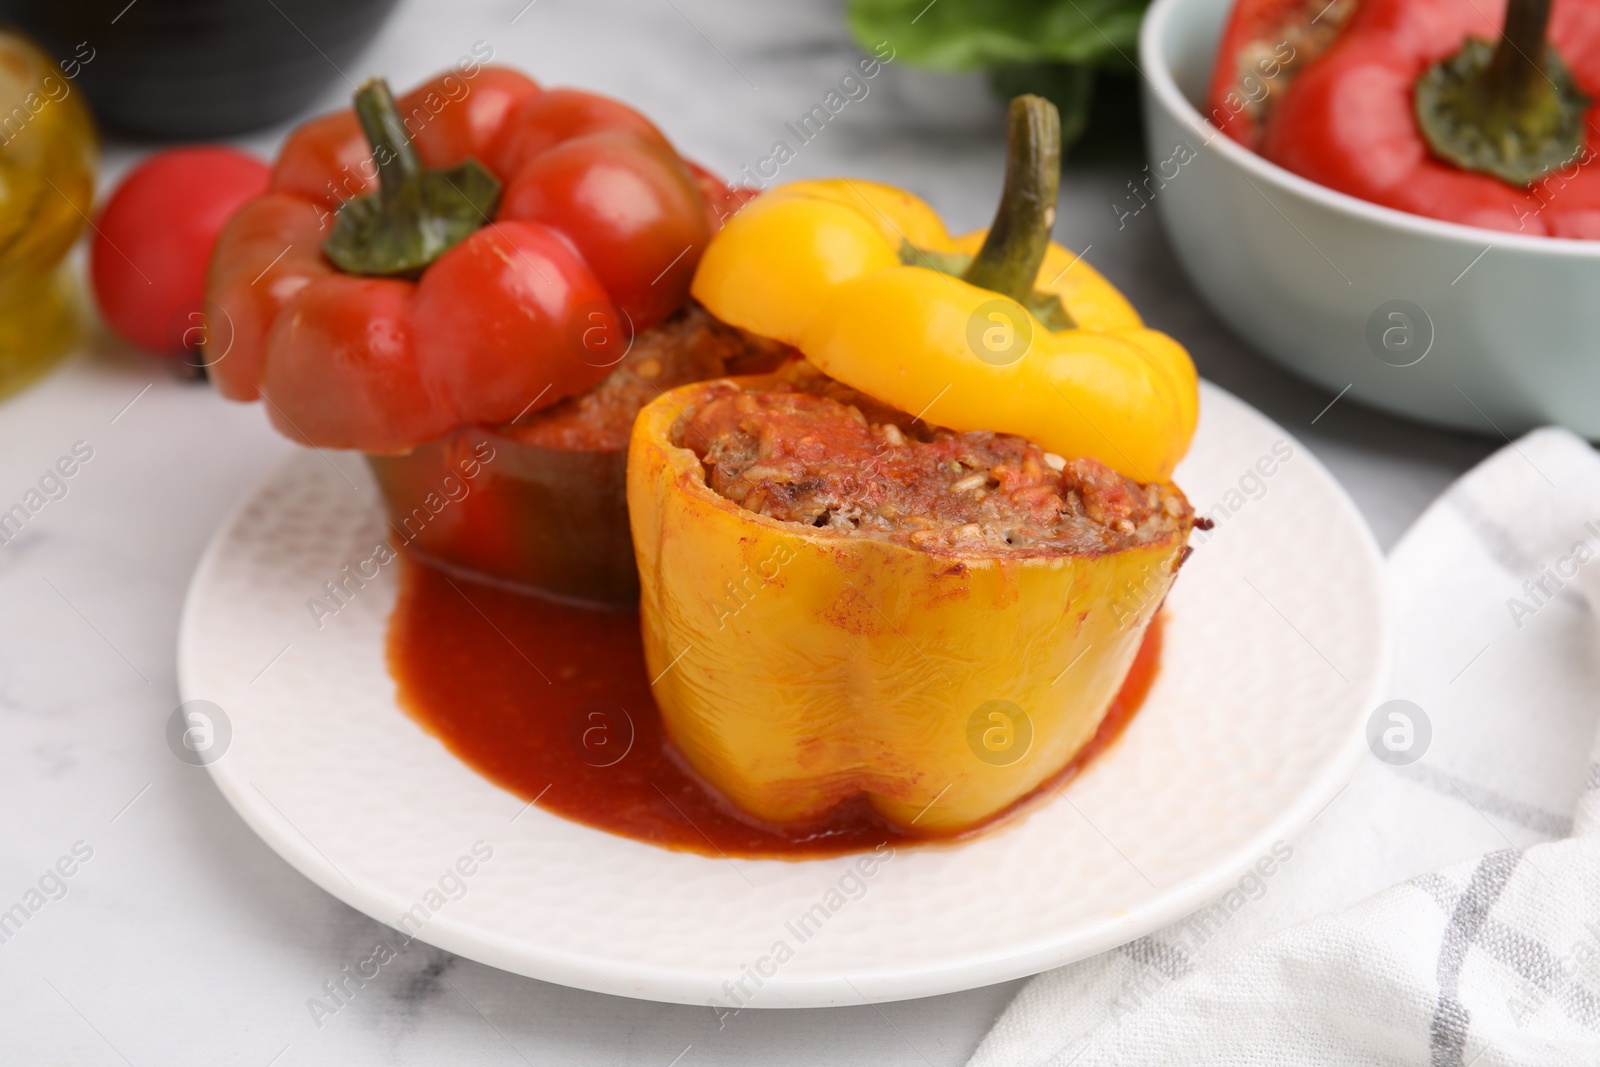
(1484, 949)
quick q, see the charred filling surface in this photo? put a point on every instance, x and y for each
(812, 451)
(691, 346)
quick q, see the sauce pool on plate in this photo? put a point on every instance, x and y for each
(551, 701)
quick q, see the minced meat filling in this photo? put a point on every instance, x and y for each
(814, 457)
(691, 346)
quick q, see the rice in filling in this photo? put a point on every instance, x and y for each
(691, 346)
(823, 455)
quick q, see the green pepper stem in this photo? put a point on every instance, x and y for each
(397, 159)
(1009, 260)
(416, 214)
(1515, 75)
(1510, 109)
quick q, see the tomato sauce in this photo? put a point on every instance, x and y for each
(552, 702)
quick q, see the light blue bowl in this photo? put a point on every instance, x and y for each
(1475, 329)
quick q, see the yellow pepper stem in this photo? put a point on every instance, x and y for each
(1008, 262)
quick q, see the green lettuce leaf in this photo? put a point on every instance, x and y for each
(967, 34)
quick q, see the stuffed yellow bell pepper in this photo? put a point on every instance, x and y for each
(840, 597)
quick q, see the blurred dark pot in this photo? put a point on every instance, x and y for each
(198, 69)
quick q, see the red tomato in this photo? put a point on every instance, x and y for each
(506, 315)
(631, 208)
(154, 236)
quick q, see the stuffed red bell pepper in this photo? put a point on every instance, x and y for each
(1476, 111)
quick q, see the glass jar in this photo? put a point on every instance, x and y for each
(47, 161)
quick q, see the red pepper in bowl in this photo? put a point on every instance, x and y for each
(1265, 43)
(419, 265)
(1474, 111)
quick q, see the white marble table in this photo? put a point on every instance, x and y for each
(183, 939)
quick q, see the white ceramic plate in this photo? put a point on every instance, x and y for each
(1276, 650)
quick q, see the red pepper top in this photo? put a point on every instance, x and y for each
(598, 227)
(1343, 110)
